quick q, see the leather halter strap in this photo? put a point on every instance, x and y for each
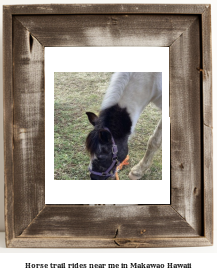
(115, 161)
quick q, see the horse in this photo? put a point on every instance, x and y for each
(127, 96)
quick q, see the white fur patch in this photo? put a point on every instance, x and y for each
(134, 91)
(91, 160)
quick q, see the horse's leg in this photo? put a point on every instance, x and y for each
(154, 144)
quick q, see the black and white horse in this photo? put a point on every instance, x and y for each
(127, 96)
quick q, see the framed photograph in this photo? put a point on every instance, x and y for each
(78, 86)
(61, 63)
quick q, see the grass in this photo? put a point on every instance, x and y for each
(75, 94)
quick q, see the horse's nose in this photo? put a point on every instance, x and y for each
(96, 177)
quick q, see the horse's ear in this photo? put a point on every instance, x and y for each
(104, 136)
(92, 118)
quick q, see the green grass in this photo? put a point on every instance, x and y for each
(75, 94)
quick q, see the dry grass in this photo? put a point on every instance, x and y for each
(76, 93)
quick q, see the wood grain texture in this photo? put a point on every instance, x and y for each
(109, 222)
(69, 242)
(207, 122)
(207, 67)
(8, 124)
(106, 9)
(107, 30)
(208, 182)
(186, 30)
(185, 113)
(29, 139)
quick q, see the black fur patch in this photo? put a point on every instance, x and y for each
(92, 142)
(116, 119)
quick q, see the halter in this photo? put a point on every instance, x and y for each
(115, 161)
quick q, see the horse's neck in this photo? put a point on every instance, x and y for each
(133, 91)
(134, 104)
(134, 109)
(117, 119)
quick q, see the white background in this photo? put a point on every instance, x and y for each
(203, 258)
(95, 59)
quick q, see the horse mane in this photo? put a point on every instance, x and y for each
(118, 83)
(92, 142)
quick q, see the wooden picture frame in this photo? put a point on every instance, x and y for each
(186, 30)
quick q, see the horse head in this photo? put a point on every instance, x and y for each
(106, 152)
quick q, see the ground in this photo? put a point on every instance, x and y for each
(75, 94)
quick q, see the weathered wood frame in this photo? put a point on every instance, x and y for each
(186, 30)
